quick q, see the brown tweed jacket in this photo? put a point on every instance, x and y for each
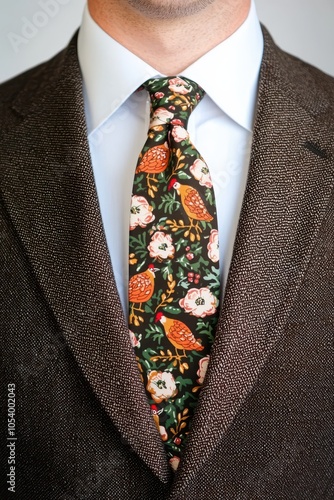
(264, 428)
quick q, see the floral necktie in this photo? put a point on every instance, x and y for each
(174, 275)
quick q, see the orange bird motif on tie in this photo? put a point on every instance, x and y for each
(193, 206)
(153, 162)
(178, 334)
(141, 288)
(191, 201)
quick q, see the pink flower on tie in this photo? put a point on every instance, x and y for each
(176, 121)
(160, 117)
(213, 246)
(179, 133)
(161, 385)
(179, 86)
(200, 171)
(140, 212)
(202, 368)
(135, 342)
(199, 302)
(174, 462)
(161, 246)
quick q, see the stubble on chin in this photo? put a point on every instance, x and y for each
(169, 9)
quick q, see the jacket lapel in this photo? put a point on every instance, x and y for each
(289, 185)
(49, 192)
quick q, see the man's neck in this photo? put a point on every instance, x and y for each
(169, 44)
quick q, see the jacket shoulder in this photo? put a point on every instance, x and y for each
(298, 80)
(22, 91)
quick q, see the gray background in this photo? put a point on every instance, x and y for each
(33, 30)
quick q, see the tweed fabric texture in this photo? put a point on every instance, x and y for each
(83, 424)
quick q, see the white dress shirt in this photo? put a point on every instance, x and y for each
(118, 119)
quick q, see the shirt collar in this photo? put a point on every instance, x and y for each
(111, 73)
(228, 73)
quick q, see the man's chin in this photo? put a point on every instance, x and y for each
(169, 9)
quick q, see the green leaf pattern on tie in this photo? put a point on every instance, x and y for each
(174, 276)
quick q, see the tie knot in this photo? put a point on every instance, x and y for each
(172, 100)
